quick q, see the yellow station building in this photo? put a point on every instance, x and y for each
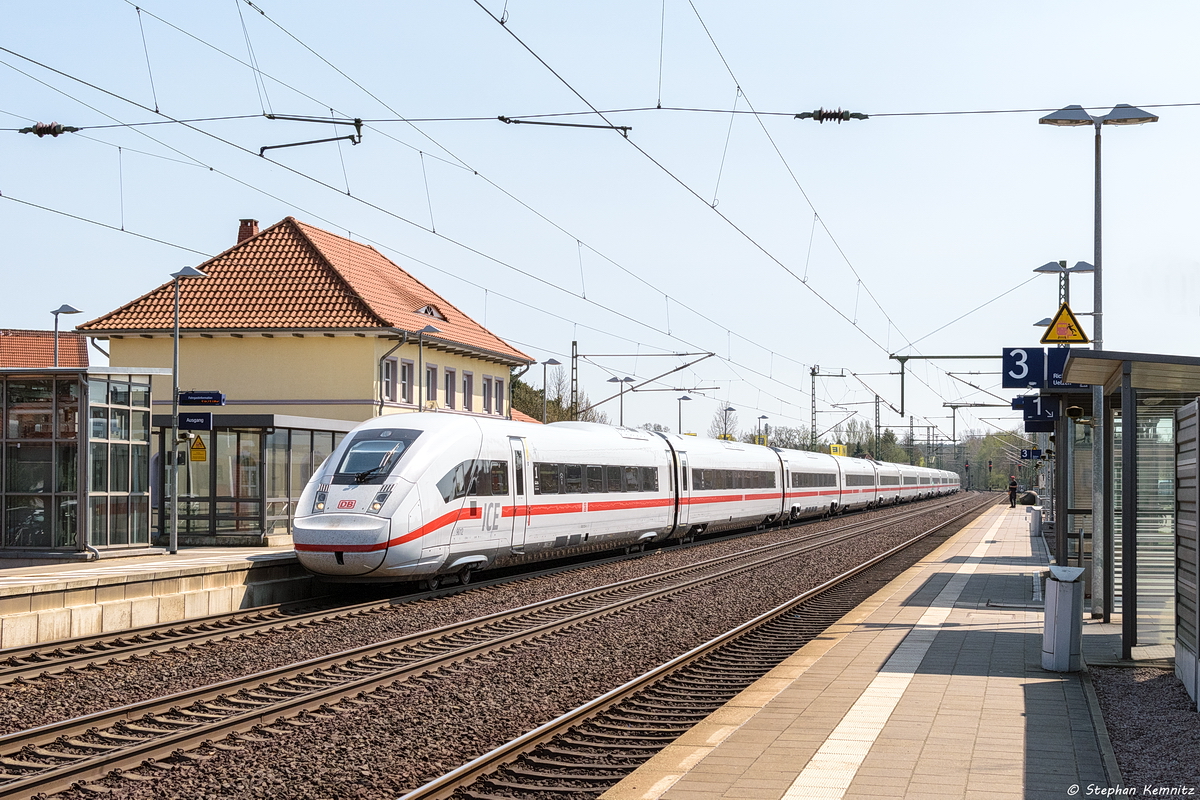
(306, 333)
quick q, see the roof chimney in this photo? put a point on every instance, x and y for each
(247, 229)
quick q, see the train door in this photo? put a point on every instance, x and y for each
(682, 506)
(520, 512)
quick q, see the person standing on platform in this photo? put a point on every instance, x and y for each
(1012, 491)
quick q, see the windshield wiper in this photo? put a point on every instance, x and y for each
(366, 475)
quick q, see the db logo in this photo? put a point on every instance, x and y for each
(345, 504)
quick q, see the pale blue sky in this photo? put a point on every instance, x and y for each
(936, 214)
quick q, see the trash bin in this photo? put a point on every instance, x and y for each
(1062, 634)
(1035, 520)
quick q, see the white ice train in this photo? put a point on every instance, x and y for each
(426, 496)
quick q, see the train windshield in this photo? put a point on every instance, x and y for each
(373, 454)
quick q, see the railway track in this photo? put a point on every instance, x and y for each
(592, 748)
(57, 756)
(45, 660)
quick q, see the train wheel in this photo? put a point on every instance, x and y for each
(433, 583)
(466, 576)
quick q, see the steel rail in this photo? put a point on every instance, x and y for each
(446, 785)
(187, 718)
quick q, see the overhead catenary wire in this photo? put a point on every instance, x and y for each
(741, 336)
(327, 221)
(462, 164)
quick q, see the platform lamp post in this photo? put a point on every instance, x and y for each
(725, 424)
(63, 309)
(761, 421)
(549, 362)
(1073, 116)
(679, 404)
(186, 272)
(421, 364)
(621, 400)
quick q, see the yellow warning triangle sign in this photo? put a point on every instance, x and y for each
(197, 450)
(1064, 328)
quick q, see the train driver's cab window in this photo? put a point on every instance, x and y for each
(372, 455)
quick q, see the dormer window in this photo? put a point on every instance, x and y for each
(431, 311)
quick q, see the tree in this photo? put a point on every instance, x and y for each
(529, 400)
(724, 424)
(790, 438)
(654, 427)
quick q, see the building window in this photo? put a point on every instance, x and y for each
(451, 382)
(499, 397)
(389, 379)
(431, 383)
(406, 381)
(487, 395)
(468, 392)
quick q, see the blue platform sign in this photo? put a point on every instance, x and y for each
(201, 399)
(196, 421)
(1023, 368)
(1031, 454)
(1056, 365)
(1040, 407)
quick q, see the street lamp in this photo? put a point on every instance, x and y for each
(760, 427)
(63, 309)
(680, 405)
(1072, 116)
(621, 401)
(421, 364)
(549, 362)
(186, 272)
(725, 424)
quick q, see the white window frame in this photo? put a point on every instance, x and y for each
(468, 391)
(487, 394)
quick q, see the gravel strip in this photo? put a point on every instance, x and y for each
(439, 721)
(1153, 725)
(24, 706)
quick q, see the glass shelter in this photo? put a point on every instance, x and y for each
(76, 459)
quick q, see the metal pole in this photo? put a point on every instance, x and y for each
(621, 403)
(420, 372)
(1128, 512)
(56, 338)
(1100, 556)
(545, 394)
(174, 544)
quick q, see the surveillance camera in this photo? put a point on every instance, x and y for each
(1074, 412)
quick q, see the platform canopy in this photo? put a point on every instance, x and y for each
(1154, 371)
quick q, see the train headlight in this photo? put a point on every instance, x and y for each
(378, 502)
(319, 505)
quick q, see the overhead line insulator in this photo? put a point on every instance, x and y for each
(821, 115)
(41, 129)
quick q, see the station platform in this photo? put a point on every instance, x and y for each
(932, 688)
(56, 601)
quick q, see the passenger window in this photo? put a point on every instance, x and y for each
(595, 479)
(546, 479)
(498, 479)
(519, 468)
(614, 482)
(649, 479)
(574, 478)
(633, 480)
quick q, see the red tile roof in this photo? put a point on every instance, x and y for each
(293, 276)
(521, 416)
(35, 349)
